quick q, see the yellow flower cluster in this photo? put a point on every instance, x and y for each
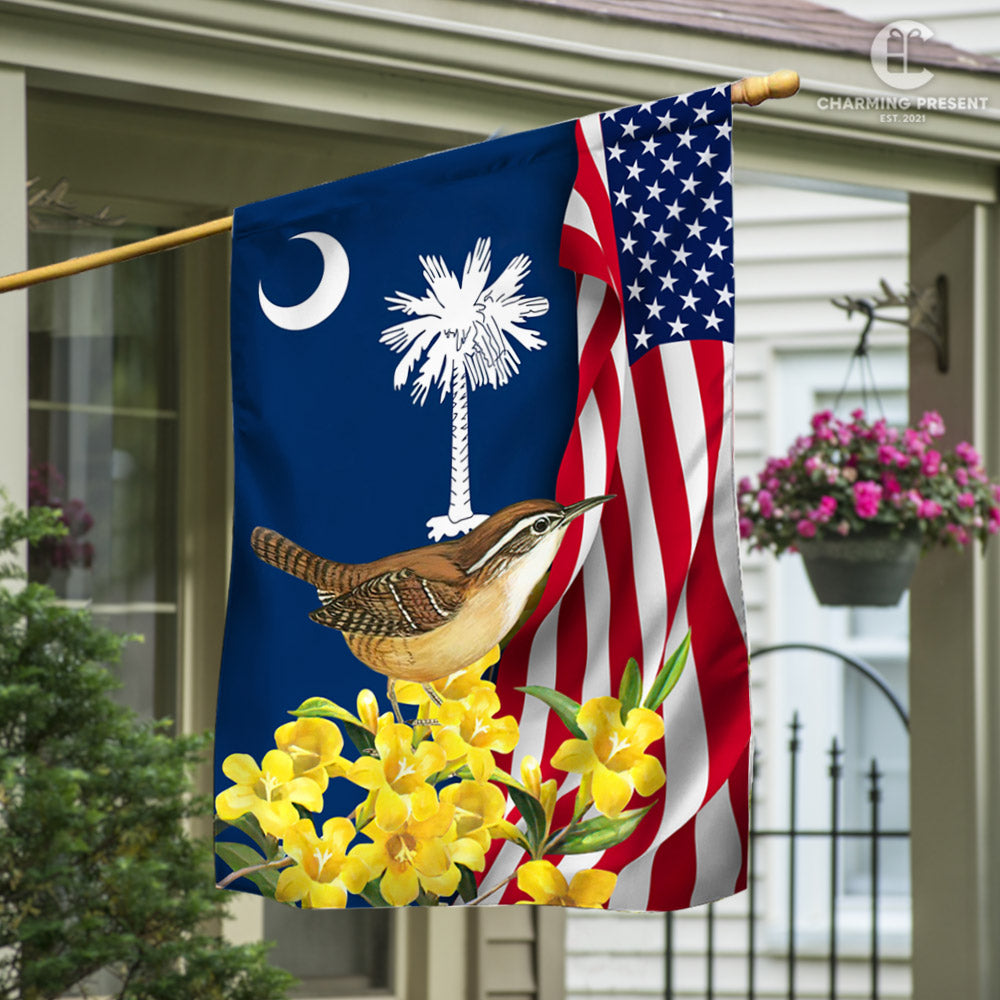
(433, 797)
(416, 837)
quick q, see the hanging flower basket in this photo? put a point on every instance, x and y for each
(861, 500)
(869, 570)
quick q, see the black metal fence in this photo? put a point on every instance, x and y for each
(872, 832)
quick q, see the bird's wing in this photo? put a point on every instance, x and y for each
(399, 603)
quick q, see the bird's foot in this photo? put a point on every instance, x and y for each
(443, 526)
(425, 722)
(433, 693)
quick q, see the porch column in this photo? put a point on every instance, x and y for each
(13, 305)
(955, 631)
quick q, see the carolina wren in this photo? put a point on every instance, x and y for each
(425, 613)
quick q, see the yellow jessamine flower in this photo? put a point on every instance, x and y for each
(613, 753)
(323, 874)
(398, 776)
(545, 884)
(267, 791)
(314, 746)
(453, 687)
(468, 729)
(478, 808)
(420, 854)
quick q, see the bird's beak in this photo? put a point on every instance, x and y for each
(576, 509)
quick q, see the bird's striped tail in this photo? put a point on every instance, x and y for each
(286, 555)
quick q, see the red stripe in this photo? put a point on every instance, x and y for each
(739, 801)
(665, 470)
(674, 871)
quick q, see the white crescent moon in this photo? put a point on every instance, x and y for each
(324, 299)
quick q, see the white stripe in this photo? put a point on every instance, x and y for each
(588, 305)
(718, 849)
(579, 216)
(684, 400)
(650, 583)
(591, 127)
(724, 511)
(597, 591)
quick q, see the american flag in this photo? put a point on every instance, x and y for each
(648, 231)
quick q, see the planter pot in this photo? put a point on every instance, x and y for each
(866, 571)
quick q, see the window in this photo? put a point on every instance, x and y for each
(103, 418)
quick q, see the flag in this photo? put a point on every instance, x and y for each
(417, 352)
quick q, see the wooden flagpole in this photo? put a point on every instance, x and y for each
(752, 90)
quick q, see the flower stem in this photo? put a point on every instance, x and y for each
(496, 888)
(250, 869)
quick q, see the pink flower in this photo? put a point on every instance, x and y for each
(844, 528)
(929, 508)
(746, 527)
(827, 508)
(962, 476)
(890, 486)
(806, 528)
(813, 464)
(745, 486)
(932, 423)
(766, 503)
(858, 415)
(931, 462)
(888, 455)
(821, 419)
(967, 453)
(966, 500)
(867, 496)
(915, 442)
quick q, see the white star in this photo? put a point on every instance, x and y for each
(681, 256)
(685, 138)
(677, 328)
(669, 163)
(721, 88)
(710, 202)
(666, 120)
(690, 300)
(689, 184)
(649, 145)
(695, 229)
(616, 152)
(655, 190)
(715, 248)
(667, 282)
(683, 99)
(627, 244)
(640, 217)
(654, 309)
(701, 114)
(702, 274)
(622, 197)
(647, 263)
(642, 338)
(712, 321)
(634, 289)
(629, 128)
(723, 130)
(729, 222)
(648, 106)
(726, 176)
(674, 210)
(725, 295)
(660, 237)
(706, 156)
(634, 171)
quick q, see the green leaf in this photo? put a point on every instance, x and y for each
(562, 705)
(668, 676)
(239, 856)
(322, 708)
(372, 893)
(600, 833)
(467, 887)
(361, 738)
(534, 818)
(630, 689)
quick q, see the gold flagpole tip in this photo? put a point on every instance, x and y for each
(754, 89)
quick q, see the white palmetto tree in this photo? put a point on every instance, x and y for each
(462, 334)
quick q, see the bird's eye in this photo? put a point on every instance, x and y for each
(540, 525)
